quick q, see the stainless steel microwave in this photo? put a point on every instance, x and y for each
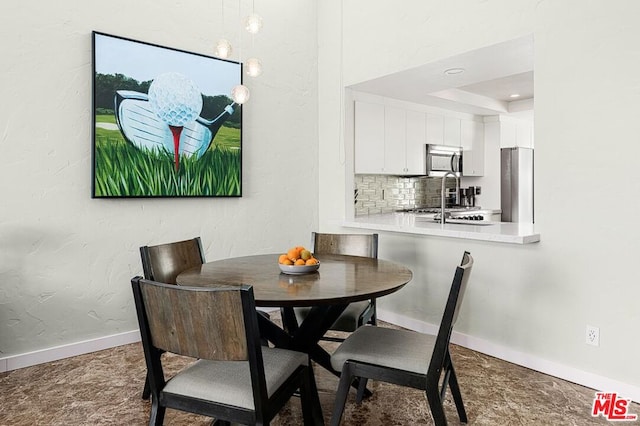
(442, 159)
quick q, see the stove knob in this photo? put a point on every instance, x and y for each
(480, 217)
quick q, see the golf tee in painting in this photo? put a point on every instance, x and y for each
(164, 124)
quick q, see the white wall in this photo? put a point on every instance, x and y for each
(66, 260)
(535, 299)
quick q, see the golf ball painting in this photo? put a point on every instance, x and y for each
(165, 124)
(176, 100)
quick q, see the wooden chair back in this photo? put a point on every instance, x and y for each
(440, 356)
(164, 262)
(364, 245)
(198, 322)
(217, 324)
(466, 265)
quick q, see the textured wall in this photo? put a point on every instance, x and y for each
(534, 299)
(65, 259)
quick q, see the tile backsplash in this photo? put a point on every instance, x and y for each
(385, 194)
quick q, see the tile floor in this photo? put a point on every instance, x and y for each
(103, 388)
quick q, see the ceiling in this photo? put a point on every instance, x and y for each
(491, 75)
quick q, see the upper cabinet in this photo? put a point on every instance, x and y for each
(395, 141)
(416, 141)
(392, 139)
(389, 140)
(452, 131)
(369, 138)
(515, 133)
(443, 130)
(472, 142)
(435, 129)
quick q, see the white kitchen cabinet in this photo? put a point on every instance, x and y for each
(416, 142)
(472, 142)
(515, 133)
(389, 140)
(435, 129)
(369, 138)
(443, 130)
(395, 141)
(451, 131)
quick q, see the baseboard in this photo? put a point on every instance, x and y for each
(555, 369)
(564, 372)
(66, 351)
(56, 353)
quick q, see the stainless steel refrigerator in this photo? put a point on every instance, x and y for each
(516, 184)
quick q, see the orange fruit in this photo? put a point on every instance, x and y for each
(293, 254)
(287, 262)
(312, 261)
(299, 248)
(282, 258)
(299, 262)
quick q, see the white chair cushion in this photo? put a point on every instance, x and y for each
(401, 349)
(229, 382)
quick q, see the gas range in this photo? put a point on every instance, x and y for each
(472, 217)
(434, 210)
(456, 213)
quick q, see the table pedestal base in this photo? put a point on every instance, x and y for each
(305, 337)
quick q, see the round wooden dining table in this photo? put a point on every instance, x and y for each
(339, 281)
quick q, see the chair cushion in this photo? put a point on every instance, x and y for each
(229, 382)
(348, 319)
(401, 349)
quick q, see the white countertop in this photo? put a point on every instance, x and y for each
(412, 223)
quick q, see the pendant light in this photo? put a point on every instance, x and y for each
(240, 93)
(223, 47)
(253, 24)
(253, 67)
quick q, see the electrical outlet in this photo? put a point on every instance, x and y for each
(593, 335)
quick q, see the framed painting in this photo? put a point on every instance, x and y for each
(163, 122)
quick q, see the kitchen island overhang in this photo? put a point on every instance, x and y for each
(410, 223)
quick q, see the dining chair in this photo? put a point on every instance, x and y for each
(406, 358)
(163, 262)
(357, 313)
(233, 378)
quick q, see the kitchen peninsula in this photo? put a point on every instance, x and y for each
(411, 223)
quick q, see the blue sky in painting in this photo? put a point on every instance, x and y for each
(144, 62)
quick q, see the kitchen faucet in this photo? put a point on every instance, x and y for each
(442, 201)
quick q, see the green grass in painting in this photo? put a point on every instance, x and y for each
(122, 170)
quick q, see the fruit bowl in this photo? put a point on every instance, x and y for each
(297, 261)
(298, 269)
